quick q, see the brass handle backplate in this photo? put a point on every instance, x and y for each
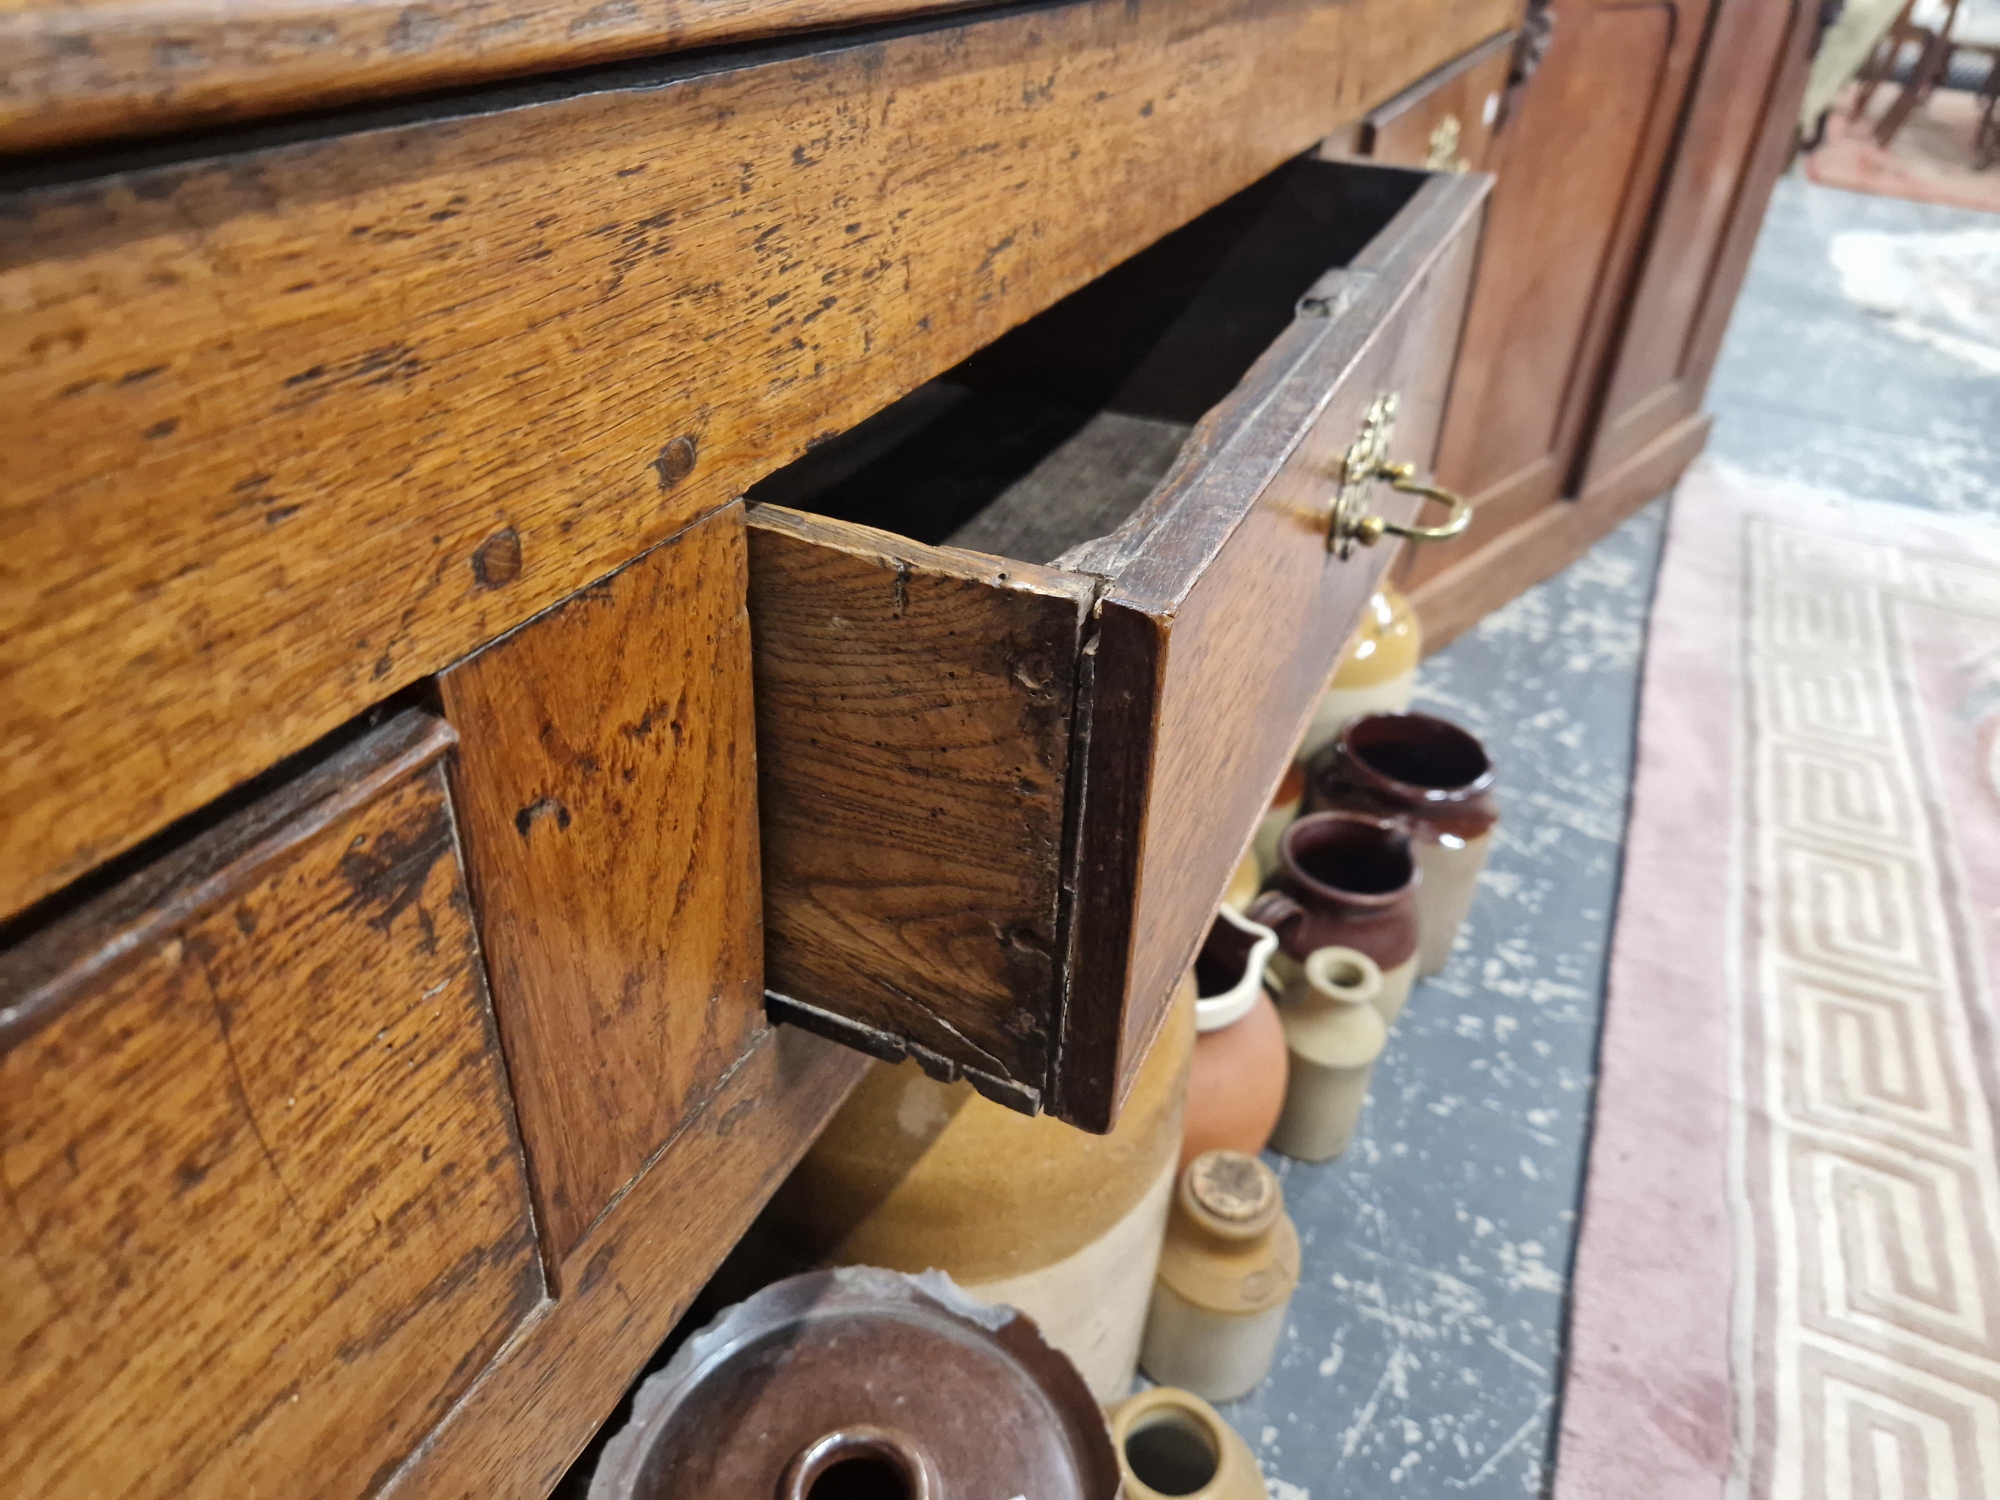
(1366, 465)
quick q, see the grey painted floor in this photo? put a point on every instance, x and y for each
(1423, 1355)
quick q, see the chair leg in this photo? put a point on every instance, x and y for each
(1931, 63)
(1986, 143)
(1877, 68)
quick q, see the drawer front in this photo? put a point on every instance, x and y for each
(291, 427)
(1444, 123)
(267, 1215)
(1223, 622)
(1000, 799)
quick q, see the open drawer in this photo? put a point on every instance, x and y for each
(1034, 645)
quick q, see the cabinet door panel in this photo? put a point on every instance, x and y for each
(264, 1213)
(1579, 164)
(1739, 131)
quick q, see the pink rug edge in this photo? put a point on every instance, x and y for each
(1646, 1401)
(1648, 1406)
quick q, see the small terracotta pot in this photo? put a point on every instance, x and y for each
(1376, 673)
(1172, 1443)
(1438, 778)
(1345, 880)
(1236, 1080)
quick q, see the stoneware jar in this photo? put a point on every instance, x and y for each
(765, 1402)
(1026, 1212)
(1173, 1443)
(1439, 779)
(1345, 880)
(1333, 1035)
(1236, 1082)
(1227, 1273)
(1375, 674)
(1284, 808)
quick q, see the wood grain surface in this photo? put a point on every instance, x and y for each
(286, 429)
(82, 70)
(265, 1214)
(1579, 161)
(607, 781)
(540, 1402)
(1222, 622)
(913, 742)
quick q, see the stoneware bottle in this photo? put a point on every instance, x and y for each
(1284, 808)
(1236, 1082)
(1028, 1213)
(1437, 777)
(1227, 1273)
(1377, 671)
(1173, 1443)
(1345, 880)
(1333, 1034)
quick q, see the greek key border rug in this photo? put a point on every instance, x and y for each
(1788, 1275)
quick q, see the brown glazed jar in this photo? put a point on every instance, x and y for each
(1345, 880)
(1437, 778)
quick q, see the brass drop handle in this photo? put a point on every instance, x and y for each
(1402, 478)
(1367, 464)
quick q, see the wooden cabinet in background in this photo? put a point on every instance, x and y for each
(1634, 168)
(1445, 122)
(1734, 144)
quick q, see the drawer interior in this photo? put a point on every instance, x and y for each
(1056, 433)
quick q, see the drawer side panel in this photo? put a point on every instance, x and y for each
(913, 727)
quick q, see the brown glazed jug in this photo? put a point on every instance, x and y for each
(1236, 1080)
(1437, 778)
(1345, 880)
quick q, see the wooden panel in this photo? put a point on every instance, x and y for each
(266, 1217)
(607, 781)
(1444, 123)
(913, 724)
(1477, 583)
(288, 428)
(1579, 162)
(524, 1421)
(1224, 618)
(1742, 120)
(80, 70)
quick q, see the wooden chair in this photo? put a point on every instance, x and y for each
(1928, 23)
(1978, 31)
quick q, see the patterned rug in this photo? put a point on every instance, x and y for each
(1788, 1279)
